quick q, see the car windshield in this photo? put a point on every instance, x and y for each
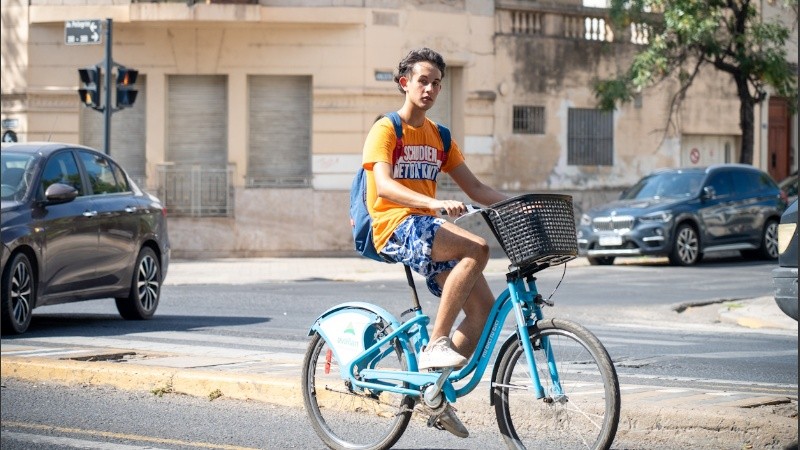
(665, 185)
(16, 173)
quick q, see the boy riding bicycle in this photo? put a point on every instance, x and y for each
(401, 197)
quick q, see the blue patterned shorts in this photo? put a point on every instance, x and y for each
(411, 244)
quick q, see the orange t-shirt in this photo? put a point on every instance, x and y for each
(415, 166)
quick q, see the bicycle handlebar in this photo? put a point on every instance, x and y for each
(471, 209)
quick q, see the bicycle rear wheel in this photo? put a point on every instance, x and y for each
(347, 418)
(585, 416)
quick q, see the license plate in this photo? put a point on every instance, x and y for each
(610, 241)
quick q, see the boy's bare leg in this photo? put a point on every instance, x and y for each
(476, 310)
(459, 285)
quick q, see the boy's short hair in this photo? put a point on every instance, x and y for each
(414, 56)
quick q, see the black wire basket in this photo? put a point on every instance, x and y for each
(535, 229)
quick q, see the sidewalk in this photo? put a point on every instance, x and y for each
(649, 413)
(259, 270)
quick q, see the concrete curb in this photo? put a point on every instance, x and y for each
(156, 380)
(756, 313)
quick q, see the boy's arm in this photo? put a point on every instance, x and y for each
(475, 188)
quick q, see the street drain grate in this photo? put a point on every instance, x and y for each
(755, 403)
(112, 357)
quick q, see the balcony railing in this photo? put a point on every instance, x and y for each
(196, 2)
(196, 190)
(590, 25)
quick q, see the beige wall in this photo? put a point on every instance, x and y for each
(341, 48)
(783, 13)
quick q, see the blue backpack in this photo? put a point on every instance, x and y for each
(360, 219)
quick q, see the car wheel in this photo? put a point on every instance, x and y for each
(142, 300)
(769, 241)
(18, 295)
(686, 247)
(601, 261)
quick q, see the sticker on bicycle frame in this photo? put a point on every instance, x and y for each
(345, 334)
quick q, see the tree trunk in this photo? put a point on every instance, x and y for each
(746, 121)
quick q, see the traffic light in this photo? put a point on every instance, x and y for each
(90, 91)
(126, 93)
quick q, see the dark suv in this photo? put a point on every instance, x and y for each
(684, 213)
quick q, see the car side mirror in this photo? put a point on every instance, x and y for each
(708, 193)
(60, 193)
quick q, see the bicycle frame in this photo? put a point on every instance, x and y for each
(521, 296)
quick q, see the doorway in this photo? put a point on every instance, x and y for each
(779, 156)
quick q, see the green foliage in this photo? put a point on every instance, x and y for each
(688, 34)
(611, 92)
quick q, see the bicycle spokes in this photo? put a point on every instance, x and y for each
(346, 416)
(580, 408)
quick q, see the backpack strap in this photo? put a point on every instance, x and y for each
(398, 124)
(398, 132)
(444, 132)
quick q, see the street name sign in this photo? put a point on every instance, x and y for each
(79, 32)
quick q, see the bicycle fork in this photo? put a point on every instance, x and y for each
(527, 311)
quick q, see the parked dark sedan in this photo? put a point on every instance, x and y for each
(684, 213)
(76, 227)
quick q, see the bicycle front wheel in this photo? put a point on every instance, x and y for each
(581, 406)
(348, 418)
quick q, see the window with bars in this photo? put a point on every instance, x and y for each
(528, 120)
(590, 137)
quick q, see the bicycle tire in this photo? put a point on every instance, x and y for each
(344, 418)
(587, 417)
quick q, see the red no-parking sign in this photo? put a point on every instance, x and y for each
(694, 155)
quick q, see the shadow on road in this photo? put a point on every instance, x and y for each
(99, 325)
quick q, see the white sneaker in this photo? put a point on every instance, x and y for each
(438, 354)
(450, 422)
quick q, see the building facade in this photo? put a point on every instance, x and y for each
(251, 114)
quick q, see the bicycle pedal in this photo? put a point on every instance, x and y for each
(433, 422)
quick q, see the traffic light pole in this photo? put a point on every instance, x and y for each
(108, 64)
(125, 87)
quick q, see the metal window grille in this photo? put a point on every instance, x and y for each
(528, 120)
(590, 137)
(196, 190)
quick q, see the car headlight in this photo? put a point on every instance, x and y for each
(785, 232)
(585, 220)
(659, 217)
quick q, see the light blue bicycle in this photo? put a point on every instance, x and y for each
(553, 384)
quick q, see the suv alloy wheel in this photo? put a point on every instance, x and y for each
(686, 248)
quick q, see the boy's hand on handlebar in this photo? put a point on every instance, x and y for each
(452, 208)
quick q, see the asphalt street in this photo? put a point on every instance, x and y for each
(757, 420)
